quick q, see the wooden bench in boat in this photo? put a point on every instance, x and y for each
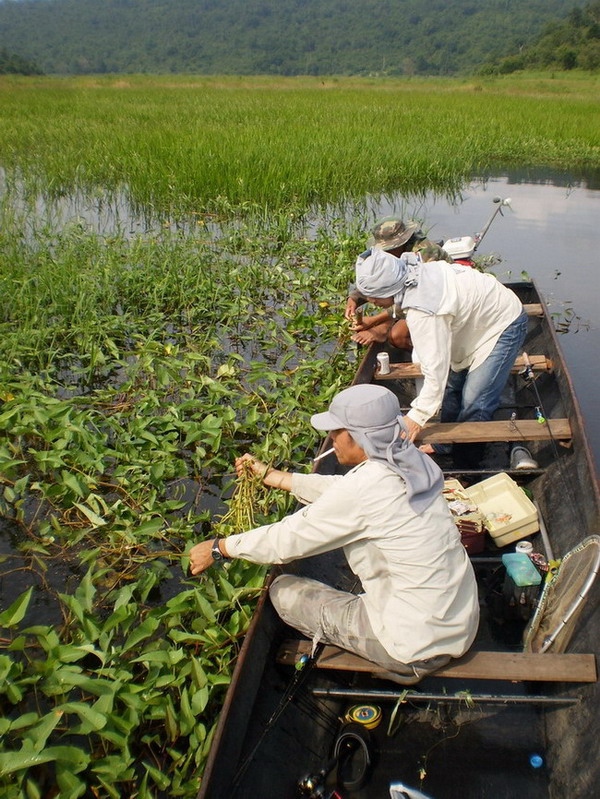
(504, 430)
(407, 371)
(534, 309)
(511, 666)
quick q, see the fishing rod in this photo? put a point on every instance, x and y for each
(501, 203)
(542, 418)
(302, 671)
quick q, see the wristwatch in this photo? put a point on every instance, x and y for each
(216, 553)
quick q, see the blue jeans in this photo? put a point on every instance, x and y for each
(473, 395)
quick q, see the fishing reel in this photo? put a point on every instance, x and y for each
(313, 786)
(349, 768)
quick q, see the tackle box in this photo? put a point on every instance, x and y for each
(508, 512)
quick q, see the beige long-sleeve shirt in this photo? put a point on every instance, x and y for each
(419, 587)
(475, 310)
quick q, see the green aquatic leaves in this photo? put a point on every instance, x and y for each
(120, 683)
(15, 613)
(132, 373)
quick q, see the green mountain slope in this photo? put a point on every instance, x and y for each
(568, 43)
(284, 37)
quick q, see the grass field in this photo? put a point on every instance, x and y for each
(181, 144)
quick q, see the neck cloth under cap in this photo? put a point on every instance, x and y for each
(372, 416)
(411, 283)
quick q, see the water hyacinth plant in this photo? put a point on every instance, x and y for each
(134, 371)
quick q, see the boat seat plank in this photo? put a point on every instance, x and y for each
(407, 371)
(504, 430)
(534, 309)
(512, 666)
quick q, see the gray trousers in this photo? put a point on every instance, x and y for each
(337, 617)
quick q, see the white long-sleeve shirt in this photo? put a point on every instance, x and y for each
(419, 587)
(475, 310)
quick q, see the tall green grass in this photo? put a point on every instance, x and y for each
(208, 145)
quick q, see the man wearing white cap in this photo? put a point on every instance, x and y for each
(418, 606)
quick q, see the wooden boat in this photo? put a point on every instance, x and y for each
(498, 722)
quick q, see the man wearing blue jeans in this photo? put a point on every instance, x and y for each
(466, 327)
(473, 395)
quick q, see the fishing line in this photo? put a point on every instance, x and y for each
(298, 679)
(531, 384)
(303, 669)
(308, 704)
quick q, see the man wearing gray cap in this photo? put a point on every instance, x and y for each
(418, 606)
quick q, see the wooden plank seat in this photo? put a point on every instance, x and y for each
(511, 666)
(534, 309)
(408, 371)
(504, 430)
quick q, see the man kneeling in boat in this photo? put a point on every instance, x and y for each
(395, 236)
(418, 607)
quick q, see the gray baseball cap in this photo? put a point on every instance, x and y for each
(359, 407)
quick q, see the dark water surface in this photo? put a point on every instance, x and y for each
(551, 231)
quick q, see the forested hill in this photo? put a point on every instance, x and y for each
(284, 37)
(569, 43)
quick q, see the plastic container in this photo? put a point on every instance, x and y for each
(521, 569)
(509, 514)
(462, 247)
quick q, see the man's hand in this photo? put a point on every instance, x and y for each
(413, 428)
(258, 467)
(201, 557)
(350, 308)
(275, 478)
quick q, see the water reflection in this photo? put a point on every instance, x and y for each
(574, 178)
(551, 233)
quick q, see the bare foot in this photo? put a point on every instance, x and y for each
(427, 449)
(370, 335)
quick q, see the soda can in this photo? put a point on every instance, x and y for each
(525, 547)
(383, 359)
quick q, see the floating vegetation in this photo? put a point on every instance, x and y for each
(243, 504)
(566, 320)
(133, 372)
